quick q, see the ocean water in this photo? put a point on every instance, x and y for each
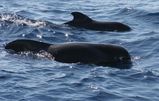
(36, 78)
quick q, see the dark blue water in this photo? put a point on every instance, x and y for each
(36, 78)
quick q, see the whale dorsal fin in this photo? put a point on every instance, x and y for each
(78, 16)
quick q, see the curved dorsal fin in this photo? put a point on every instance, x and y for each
(78, 16)
(21, 45)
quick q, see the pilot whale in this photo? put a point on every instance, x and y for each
(86, 53)
(83, 21)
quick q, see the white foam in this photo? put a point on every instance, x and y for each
(19, 20)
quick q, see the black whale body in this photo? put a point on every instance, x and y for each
(87, 53)
(80, 20)
(83, 21)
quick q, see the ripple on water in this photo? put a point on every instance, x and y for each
(100, 95)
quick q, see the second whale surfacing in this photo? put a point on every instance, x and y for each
(83, 21)
(86, 53)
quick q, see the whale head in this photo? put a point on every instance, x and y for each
(79, 19)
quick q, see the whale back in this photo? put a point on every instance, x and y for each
(21, 45)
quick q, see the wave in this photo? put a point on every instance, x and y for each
(130, 12)
(14, 25)
(151, 17)
(136, 12)
(105, 95)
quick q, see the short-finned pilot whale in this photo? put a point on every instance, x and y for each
(83, 21)
(87, 53)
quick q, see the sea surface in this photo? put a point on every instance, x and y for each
(36, 78)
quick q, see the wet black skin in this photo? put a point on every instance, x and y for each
(83, 21)
(87, 53)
